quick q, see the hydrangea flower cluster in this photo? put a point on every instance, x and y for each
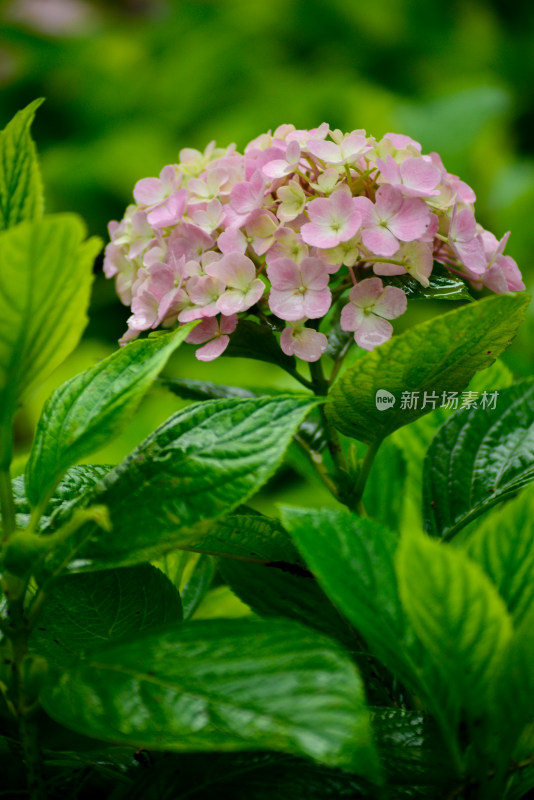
(301, 221)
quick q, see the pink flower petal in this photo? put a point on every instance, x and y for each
(411, 221)
(391, 304)
(305, 343)
(380, 241)
(388, 201)
(314, 273)
(316, 303)
(373, 332)
(287, 305)
(148, 191)
(213, 349)
(366, 292)
(351, 317)
(284, 274)
(235, 270)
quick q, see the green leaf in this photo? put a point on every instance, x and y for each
(200, 464)
(251, 340)
(503, 545)
(252, 537)
(458, 616)
(385, 494)
(46, 276)
(92, 408)
(76, 481)
(220, 685)
(353, 560)
(443, 285)
(479, 457)
(411, 751)
(439, 355)
(21, 191)
(202, 390)
(83, 612)
(287, 591)
(197, 585)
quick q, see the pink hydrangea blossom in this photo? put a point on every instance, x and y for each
(333, 220)
(371, 306)
(296, 219)
(305, 343)
(391, 219)
(216, 334)
(299, 290)
(415, 177)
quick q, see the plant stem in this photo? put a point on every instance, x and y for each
(320, 388)
(363, 474)
(7, 505)
(318, 464)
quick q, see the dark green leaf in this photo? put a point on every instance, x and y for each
(458, 616)
(252, 537)
(287, 591)
(197, 585)
(251, 340)
(439, 355)
(411, 751)
(21, 191)
(479, 456)
(202, 390)
(46, 276)
(201, 463)
(221, 685)
(92, 408)
(443, 285)
(83, 612)
(385, 493)
(503, 545)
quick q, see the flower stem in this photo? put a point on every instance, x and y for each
(7, 505)
(363, 474)
(320, 388)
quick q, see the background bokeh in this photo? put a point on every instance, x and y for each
(129, 83)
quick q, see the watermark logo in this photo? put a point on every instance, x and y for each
(384, 400)
(410, 401)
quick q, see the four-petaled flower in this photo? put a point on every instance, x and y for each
(333, 220)
(299, 290)
(371, 306)
(391, 219)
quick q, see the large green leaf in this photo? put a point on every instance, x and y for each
(353, 560)
(503, 545)
(45, 280)
(440, 355)
(203, 462)
(92, 408)
(21, 191)
(249, 536)
(285, 591)
(220, 685)
(83, 612)
(458, 616)
(477, 458)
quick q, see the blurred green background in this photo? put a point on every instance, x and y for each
(129, 83)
